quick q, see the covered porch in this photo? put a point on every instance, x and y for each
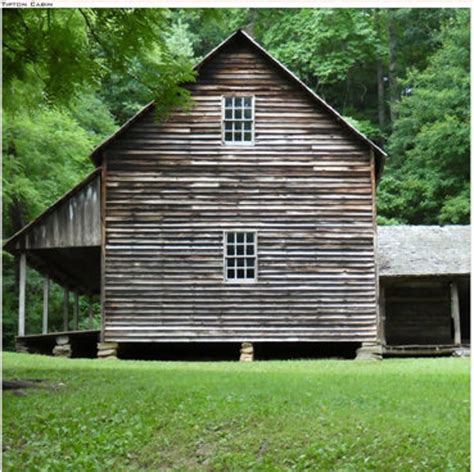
(424, 294)
(63, 245)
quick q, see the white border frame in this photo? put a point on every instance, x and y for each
(252, 130)
(224, 256)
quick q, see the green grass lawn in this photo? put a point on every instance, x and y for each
(400, 415)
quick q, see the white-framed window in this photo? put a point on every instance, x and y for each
(238, 120)
(240, 256)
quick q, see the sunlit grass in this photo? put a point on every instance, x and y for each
(410, 414)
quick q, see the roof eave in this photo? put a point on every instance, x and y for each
(9, 243)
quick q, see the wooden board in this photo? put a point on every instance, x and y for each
(74, 221)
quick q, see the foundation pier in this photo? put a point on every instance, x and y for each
(63, 347)
(369, 352)
(107, 351)
(246, 352)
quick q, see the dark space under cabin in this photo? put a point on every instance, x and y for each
(247, 221)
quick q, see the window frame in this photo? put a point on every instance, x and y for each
(223, 121)
(224, 256)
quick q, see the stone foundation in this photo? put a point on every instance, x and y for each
(462, 351)
(246, 352)
(107, 351)
(369, 352)
(21, 347)
(63, 347)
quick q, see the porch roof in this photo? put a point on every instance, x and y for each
(410, 250)
(64, 242)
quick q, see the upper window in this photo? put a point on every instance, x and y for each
(240, 256)
(238, 120)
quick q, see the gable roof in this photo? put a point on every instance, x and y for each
(245, 38)
(424, 250)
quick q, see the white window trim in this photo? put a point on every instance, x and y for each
(224, 256)
(252, 130)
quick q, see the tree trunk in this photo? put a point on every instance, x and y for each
(380, 94)
(380, 28)
(392, 64)
(251, 20)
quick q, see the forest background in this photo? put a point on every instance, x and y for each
(72, 76)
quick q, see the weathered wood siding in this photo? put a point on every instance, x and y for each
(74, 222)
(417, 312)
(305, 187)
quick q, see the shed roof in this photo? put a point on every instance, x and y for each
(12, 241)
(424, 250)
(245, 38)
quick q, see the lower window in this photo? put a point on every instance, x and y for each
(240, 255)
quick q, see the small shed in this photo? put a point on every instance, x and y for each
(424, 285)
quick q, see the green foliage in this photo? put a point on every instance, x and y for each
(328, 43)
(297, 415)
(37, 170)
(206, 28)
(366, 127)
(68, 50)
(428, 179)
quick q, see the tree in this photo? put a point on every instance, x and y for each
(70, 50)
(428, 179)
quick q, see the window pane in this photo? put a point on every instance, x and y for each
(240, 256)
(236, 110)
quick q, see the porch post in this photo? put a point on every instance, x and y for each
(76, 310)
(455, 312)
(382, 314)
(21, 297)
(65, 309)
(45, 303)
(89, 311)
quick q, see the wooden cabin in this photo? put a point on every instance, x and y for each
(248, 219)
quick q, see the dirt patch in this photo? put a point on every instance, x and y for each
(18, 386)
